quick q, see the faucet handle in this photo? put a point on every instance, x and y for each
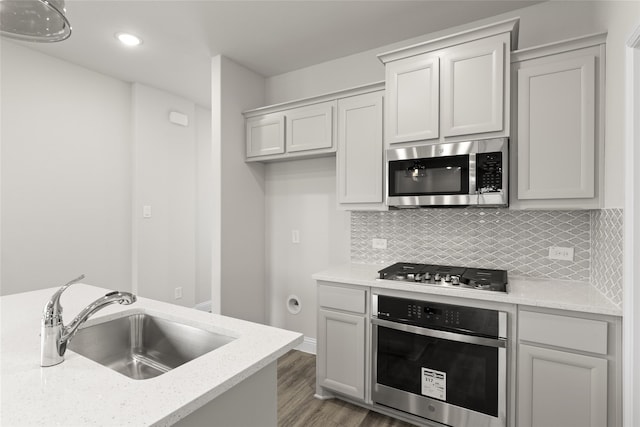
(53, 310)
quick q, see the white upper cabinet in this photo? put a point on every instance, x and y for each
(413, 94)
(473, 86)
(310, 128)
(450, 89)
(302, 129)
(360, 152)
(559, 125)
(265, 135)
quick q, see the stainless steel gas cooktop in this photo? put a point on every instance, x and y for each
(446, 275)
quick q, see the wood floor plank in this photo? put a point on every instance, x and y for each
(298, 408)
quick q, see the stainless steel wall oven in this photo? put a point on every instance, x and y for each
(442, 362)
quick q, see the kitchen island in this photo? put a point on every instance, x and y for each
(232, 385)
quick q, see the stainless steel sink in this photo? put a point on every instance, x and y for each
(142, 346)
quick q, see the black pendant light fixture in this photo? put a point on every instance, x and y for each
(34, 20)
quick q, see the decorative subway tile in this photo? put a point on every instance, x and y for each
(517, 241)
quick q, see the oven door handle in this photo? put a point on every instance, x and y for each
(451, 336)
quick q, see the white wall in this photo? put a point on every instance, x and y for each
(204, 204)
(239, 242)
(631, 306)
(66, 174)
(301, 195)
(539, 24)
(165, 177)
(68, 141)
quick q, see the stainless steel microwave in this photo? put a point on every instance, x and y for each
(469, 173)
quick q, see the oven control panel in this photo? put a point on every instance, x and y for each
(438, 316)
(448, 316)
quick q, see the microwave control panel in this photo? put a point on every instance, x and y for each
(489, 172)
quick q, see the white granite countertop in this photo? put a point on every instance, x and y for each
(559, 294)
(80, 392)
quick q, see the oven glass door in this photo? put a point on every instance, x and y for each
(459, 373)
(429, 176)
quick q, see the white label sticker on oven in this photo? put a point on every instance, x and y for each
(434, 383)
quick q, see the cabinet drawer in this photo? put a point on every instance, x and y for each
(562, 331)
(339, 298)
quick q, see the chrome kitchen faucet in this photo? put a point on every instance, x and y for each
(54, 336)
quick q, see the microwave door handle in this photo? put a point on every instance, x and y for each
(473, 166)
(450, 336)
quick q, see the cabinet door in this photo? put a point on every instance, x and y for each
(473, 86)
(557, 388)
(341, 352)
(556, 128)
(265, 135)
(360, 149)
(412, 99)
(310, 128)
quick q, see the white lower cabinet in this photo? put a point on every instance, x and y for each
(342, 366)
(561, 388)
(341, 350)
(568, 370)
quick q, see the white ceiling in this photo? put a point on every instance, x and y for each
(269, 37)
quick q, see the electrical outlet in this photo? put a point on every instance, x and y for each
(177, 293)
(295, 236)
(560, 253)
(379, 243)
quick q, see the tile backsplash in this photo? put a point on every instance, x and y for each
(517, 241)
(607, 252)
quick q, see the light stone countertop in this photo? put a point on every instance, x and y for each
(80, 392)
(558, 294)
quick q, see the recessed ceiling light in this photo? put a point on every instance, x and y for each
(129, 39)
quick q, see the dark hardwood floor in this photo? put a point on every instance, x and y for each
(298, 408)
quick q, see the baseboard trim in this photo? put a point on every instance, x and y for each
(308, 345)
(204, 306)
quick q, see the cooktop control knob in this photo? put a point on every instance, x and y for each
(482, 284)
(437, 277)
(427, 276)
(447, 278)
(455, 280)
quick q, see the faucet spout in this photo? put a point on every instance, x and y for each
(54, 336)
(124, 298)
